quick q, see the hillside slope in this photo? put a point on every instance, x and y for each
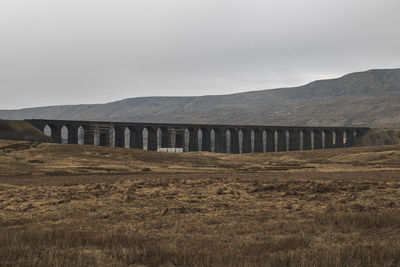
(368, 98)
(20, 130)
(379, 137)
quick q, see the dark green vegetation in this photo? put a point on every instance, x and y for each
(379, 137)
(20, 130)
(368, 98)
(75, 205)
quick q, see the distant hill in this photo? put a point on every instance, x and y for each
(370, 98)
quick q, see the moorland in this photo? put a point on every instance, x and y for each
(77, 205)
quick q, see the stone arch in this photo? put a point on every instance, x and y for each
(312, 140)
(252, 141)
(64, 135)
(301, 141)
(333, 138)
(200, 139)
(127, 136)
(47, 130)
(228, 141)
(287, 137)
(339, 138)
(264, 138)
(81, 135)
(53, 131)
(344, 138)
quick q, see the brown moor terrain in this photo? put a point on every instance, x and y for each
(74, 205)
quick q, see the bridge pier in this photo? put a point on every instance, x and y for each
(349, 138)
(151, 139)
(119, 137)
(270, 141)
(339, 139)
(246, 140)
(88, 135)
(258, 141)
(135, 137)
(220, 140)
(167, 138)
(179, 139)
(72, 134)
(193, 139)
(294, 140)
(234, 142)
(307, 140)
(55, 132)
(317, 139)
(104, 138)
(328, 139)
(206, 140)
(282, 140)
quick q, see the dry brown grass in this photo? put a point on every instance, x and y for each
(33, 159)
(230, 210)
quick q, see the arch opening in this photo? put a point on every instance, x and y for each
(64, 135)
(47, 130)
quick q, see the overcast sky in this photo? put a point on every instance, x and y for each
(94, 51)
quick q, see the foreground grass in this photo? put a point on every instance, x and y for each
(226, 215)
(202, 220)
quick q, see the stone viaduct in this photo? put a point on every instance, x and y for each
(199, 137)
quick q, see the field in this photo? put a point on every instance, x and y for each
(75, 205)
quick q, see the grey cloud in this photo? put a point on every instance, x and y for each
(86, 51)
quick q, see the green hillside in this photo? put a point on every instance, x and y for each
(20, 130)
(379, 137)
